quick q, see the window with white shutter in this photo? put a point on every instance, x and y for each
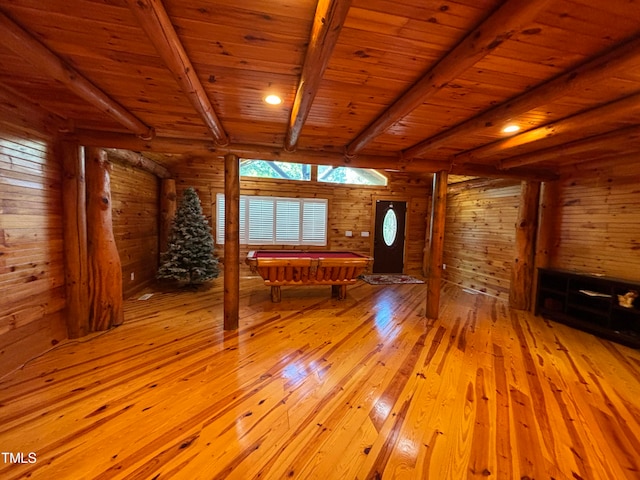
(277, 220)
(314, 222)
(220, 219)
(261, 216)
(287, 221)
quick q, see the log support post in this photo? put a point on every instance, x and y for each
(105, 271)
(522, 271)
(427, 242)
(436, 243)
(231, 241)
(168, 208)
(548, 225)
(75, 239)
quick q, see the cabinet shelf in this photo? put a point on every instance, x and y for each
(590, 303)
(554, 290)
(587, 309)
(631, 311)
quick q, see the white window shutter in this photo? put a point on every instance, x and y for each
(220, 218)
(287, 221)
(243, 219)
(314, 222)
(261, 219)
(277, 221)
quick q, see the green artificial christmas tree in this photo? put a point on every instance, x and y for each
(189, 256)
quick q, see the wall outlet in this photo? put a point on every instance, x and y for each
(133, 276)
(348, 233)
(444, 266)
(364, 234)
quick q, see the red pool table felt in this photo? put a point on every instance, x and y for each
(302, 254)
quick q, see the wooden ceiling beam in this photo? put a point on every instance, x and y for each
(489, 171)
(624, 56)
(612, 111)
(327, 24)
(135, 159)
(580, 146)
(477, 183)
(95, 138)
(312, 157)
(186, 146)
(156, 23)
(509, 19)
(478, 170)
(23, 44)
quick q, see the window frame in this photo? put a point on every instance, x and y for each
(362, 172)
(276, 168)
(315, 176)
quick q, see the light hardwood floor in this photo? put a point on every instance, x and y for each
(316, 388)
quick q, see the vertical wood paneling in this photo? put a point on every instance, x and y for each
(600, 224)
(168, 206)
(31, 248)
(350, 207)
(135, 198)
(480, 235)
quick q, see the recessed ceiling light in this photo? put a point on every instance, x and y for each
(273, 99)
(511, 128)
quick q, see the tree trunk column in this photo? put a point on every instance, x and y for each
(522, 271)
(427, 236)
(105, 270)
(231, 241)
(548, 224)
(436, 243)
(75, 239)
(547, 234)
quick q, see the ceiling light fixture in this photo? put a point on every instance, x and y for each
(511, 128)
(273, 99)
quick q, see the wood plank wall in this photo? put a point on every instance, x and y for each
(31, 248)
(599, 212)
(350, 208)
(135, 211)
(480, 235)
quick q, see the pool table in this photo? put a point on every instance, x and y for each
(289, 267)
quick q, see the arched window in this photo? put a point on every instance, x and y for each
(390, 227)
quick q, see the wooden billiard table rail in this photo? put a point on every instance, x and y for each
(337, 269)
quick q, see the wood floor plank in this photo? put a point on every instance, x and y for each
(316, 388)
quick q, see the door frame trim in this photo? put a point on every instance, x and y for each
(390, 198)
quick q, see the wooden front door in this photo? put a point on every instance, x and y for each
(388, 242)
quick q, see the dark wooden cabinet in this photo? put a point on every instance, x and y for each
(590, 303)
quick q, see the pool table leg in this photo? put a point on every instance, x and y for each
(339, 291)
(275, 294)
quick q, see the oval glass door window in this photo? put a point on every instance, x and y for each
(389, 227)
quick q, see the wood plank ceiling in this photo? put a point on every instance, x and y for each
(417, 84)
